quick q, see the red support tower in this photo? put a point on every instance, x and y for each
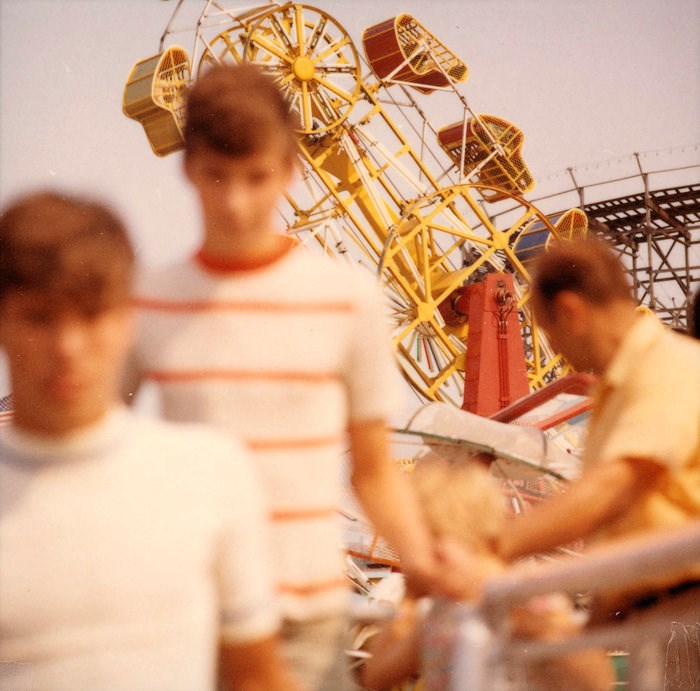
(495, 370)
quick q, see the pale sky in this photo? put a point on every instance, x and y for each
(588, 81)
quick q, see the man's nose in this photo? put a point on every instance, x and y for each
(233, 196)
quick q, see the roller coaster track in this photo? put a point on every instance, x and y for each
(655, 226)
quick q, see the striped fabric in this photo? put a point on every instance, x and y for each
(6, 412)
(282, 356)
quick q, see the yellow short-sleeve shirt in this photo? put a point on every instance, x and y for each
(647, 406)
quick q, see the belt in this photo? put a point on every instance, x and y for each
(653, 597)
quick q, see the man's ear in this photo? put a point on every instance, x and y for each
(571, 310)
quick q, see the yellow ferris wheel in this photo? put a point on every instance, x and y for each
(382, 184)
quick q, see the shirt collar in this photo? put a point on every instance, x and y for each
(646, 331)
(285, 244)
(30, 448)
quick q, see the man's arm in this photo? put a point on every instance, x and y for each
(256, 666)
(390, 503)
(602, 494)
(395, 650)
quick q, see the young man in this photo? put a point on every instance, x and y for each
(130, 549)
(286, 349)
(642, 453)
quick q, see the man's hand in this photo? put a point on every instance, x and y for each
(461, 572)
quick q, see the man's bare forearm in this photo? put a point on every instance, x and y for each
(600, 496)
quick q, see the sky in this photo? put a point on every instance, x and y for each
(589, 82)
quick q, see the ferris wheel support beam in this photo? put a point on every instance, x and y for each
(495, 372)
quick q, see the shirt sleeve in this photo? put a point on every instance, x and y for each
(656, 415)
(372, 374)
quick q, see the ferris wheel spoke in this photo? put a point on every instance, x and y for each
(407, 329)
(316, 34)
(410, 294)
(521, 270)
(435, 361)
(341, 93)
(305, 110)
(324, 106)
(232, 46)
(281, 32)
(334, 47)
(284, 80)
(299, 25)
(460, 233)
(262, 43)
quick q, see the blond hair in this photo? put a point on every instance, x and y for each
(461, 500)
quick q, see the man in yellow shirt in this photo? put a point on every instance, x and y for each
(642, 453)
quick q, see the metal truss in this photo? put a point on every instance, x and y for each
(658, 234)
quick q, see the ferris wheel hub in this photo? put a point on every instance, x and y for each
(425, 311)
(500, 239)
(304, 69)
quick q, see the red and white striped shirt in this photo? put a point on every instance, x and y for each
(282, 356)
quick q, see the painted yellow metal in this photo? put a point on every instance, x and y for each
(370, 193)
(312, 56)
(154, 96)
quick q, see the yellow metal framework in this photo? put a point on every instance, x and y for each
(375, 192)
(154, 95)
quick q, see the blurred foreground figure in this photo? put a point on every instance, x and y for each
(694, 329)
(130, 549)
(641, 462)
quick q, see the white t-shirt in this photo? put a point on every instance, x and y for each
(126, 553)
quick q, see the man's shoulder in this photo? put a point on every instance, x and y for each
(330, 276)
(652, 351)
(165, 280)
(676, 355)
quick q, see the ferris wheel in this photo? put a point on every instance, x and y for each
(383, 185)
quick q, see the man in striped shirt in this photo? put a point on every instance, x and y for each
(286, 350)
(132, 550)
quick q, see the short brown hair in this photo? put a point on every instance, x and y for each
(73, 250)
(694, 326)
(237, 110)
(588, 267)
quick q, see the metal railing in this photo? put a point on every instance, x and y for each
(487, 658)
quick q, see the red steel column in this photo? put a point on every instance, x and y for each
(495, 369)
